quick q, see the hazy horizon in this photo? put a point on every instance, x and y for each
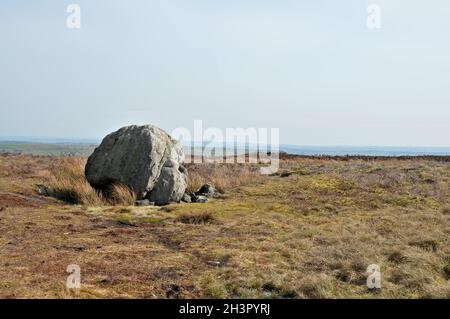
(312, 69)
(87, 141)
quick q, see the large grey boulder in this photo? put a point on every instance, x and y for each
(139, 156)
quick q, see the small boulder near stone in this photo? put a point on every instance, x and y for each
(207, 190)
(144, 202)
(144, 158)
(170, 186)
(198, 198)
(186, 198)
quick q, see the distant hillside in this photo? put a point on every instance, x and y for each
(67, 148)
(47, 149)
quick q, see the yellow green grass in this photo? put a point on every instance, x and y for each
(311, 234)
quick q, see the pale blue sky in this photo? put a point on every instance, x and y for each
(310, 68)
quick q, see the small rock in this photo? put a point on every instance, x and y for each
(198, 198)
(207, 190)
(144, 202)
(186, 198)
(2, 209)
(214, 263)
(44, 190)
(267, 294)
(126, 223)
(285, 174)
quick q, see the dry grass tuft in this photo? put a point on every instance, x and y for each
(447, 272)
(314, 288)
(274, 291)
(68, 183)
(122, 195)
(223, 176)
(397, 257)
(309, 235)
(428, 245)
(196, 218)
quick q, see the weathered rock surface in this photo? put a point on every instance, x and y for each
(145, 158)
(186, 198)
(207, 190)
(198, 198)
(170, 186)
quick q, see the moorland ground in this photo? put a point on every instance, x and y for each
(309, 231)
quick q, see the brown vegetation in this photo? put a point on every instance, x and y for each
(308, 233)
(224, 177)
(68, 183)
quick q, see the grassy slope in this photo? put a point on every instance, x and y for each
(311, 234)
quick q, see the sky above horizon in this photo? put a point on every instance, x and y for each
(310, 68)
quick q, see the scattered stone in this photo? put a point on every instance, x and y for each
(144, 202)
(214, 263)
(267, 294)
(198, 198)
(126, 223)
(186, 198)
(285, 174)
(207, 190)
(44, 190)
(145, 158)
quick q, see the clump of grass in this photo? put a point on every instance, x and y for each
(274, 291)
(68, 183)
(223, 176)
(410, 279)
(428, 245)
(447, 272)
(397, 257)
(314, 288)
(121, 195)
(446, 210)
(195, 218)
(167, 209)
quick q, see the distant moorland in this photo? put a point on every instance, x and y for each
(78, 148)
